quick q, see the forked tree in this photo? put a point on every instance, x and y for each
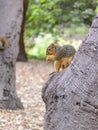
(11, 12)
(71, 96)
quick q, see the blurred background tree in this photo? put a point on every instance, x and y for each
(57, 20)
(22, 54)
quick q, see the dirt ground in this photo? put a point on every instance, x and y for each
(30, 77)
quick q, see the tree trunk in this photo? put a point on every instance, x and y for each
(10, 21)
(71, 96)
(22, 55)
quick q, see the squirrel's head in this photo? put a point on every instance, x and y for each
(51, 50)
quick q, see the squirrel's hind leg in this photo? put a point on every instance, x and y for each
(63, 66)
(66, 62)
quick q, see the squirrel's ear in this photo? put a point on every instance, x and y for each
(53, 44)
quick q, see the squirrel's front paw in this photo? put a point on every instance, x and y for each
(48, 60)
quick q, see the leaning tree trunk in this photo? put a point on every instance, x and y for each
(10, 21)
(71, 96)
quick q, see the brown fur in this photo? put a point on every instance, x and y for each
(4, 42)
(62, 62)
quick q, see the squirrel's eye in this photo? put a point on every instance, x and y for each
(49, 49)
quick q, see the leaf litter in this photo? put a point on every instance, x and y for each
(30, 77)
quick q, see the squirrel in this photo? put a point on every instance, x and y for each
(62, 55)
(3, 42)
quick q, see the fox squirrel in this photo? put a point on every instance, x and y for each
(3, 42)
(62, 55)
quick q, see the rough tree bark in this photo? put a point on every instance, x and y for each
(71, 96)
(10, 21)
(22, 54)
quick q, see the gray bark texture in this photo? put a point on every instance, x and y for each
(71, 96)
(10, 25)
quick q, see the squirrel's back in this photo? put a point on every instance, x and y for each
(64, 51)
